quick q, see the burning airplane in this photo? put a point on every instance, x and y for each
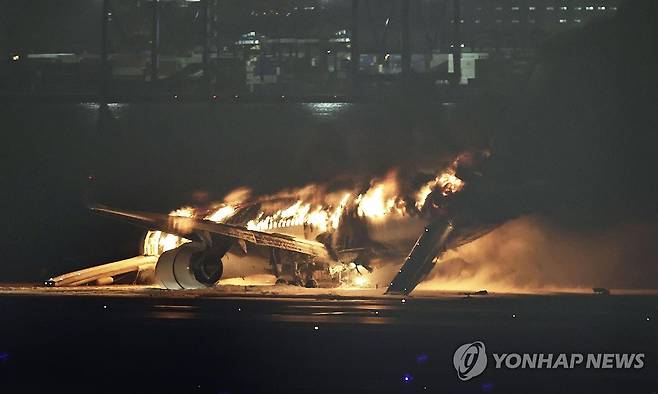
(309, 237)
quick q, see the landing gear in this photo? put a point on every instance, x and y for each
(296, 270)
(311, 283)
(294, 281)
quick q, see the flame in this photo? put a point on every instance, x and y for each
(380, 199)
(158, 242)
(221, 214)
(334, 219)
(297, 214)
(361, 281)
(312, 208)
(237, 196)
(447, 181)
(373, 204)
(184, 212)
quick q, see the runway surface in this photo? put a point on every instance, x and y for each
(245, 340)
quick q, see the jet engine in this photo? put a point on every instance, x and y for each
(189, 266)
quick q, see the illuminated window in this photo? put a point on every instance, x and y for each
(563, 21)
(515, 8)
(577, 20)
(532, 8)
(589, 8)
(563, 8)
(578, 8)
(601, 8)
(550, 8)
(613, 8)
(515, 21)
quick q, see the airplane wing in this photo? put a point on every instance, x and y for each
(190, 227)
(98, 273)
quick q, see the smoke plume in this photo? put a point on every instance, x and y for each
(533, 253)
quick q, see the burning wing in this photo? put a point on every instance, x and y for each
(198, 228)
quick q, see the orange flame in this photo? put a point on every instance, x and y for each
(157, 242)
(221, 214)
(312, 208)
(447, 181)
(380, 200)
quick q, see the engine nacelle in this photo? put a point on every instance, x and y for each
(189, 266)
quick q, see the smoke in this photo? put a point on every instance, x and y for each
(533, 253)
(578, 145)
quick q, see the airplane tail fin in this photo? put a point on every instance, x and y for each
(420, 260)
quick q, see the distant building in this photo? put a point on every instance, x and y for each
(524, 23)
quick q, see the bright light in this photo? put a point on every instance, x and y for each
(15, 58)
(360, 281)
(221, 214)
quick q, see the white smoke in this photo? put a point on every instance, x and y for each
(531, 254)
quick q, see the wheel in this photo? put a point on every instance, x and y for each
(281, 281)
(311, 283)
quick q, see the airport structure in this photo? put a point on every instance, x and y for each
(302, 48)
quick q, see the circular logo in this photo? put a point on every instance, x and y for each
(470, 360)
